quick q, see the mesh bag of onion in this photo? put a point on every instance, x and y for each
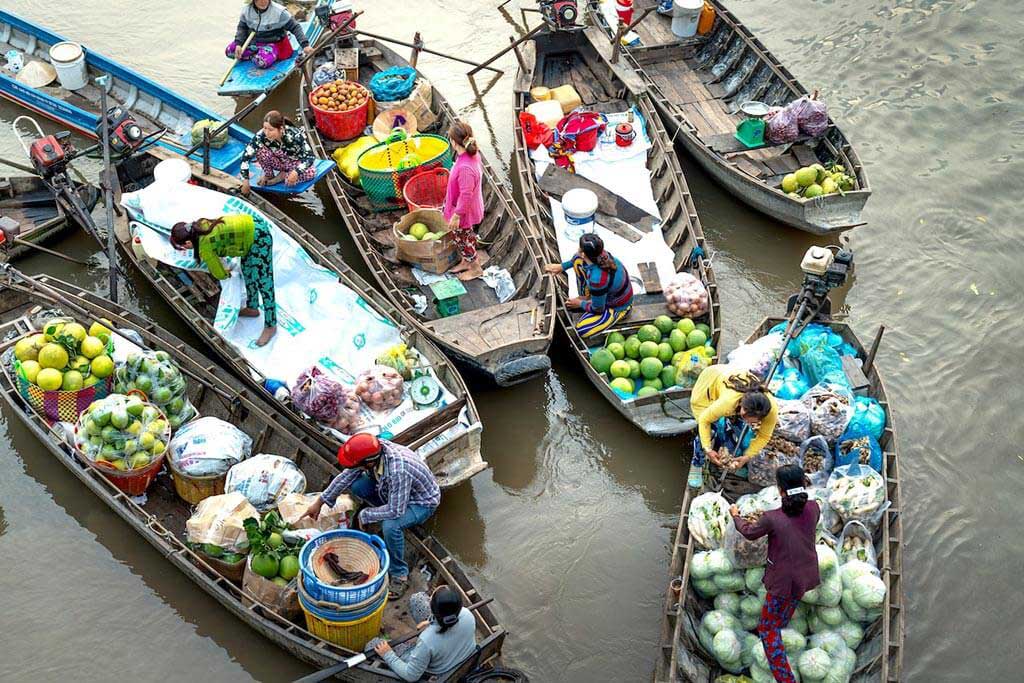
(686, 296)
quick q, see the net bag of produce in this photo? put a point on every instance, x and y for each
(855, 544)
(857, 492)
(380, 388)
(265, 480)
(778, 452)
(794, 421)
(709, 520)
(858, 446)
(816, 459)
(401, 358)
(161, 382)
(216, 142)
(782, 125)
(293, 506)
(327, 401)
(744, 553)
(208, 446)
(219, 521)
(811, 115)
(757, 356)
(123, 433)
(686, 295)
(831, 408)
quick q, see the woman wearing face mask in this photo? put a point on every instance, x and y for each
(272, 24)
(606, 294)
(282, 151)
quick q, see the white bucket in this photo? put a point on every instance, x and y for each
(579, 206)
(69, 60)
(172, 171)
(685, 16)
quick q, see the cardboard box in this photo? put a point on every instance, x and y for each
(433, 256)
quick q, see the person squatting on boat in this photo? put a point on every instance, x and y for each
(397, 485)
(236, 235)
(281, 149)
(792, 561)
(272, 24)
(606, 293)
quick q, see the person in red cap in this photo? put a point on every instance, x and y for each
(398, 488)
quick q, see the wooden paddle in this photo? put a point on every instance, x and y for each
(245, 46)
(351, 662)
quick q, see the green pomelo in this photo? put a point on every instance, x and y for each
(649, 349)
(812, 191)
(634, 369)
(696, 338)
(619, 368)
(617, 350)
(664, 324)
(668, 377)
(622, 384)
(602, 360)
(647, 391)
(632, 347)
(649, 333)
(806, 175)
(650, 368)
(685, 326)
(665, 352)
(789, 183)
(614, 338)
(653, 383)
(677, 340)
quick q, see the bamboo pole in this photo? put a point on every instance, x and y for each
(427, 50)
(511, 47)
(238, 58)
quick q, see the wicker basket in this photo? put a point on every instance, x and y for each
(356, 551)
(193, 489)
(62, 406)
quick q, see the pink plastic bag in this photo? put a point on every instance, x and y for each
(782, 125)
(327, 401)
(812, 116)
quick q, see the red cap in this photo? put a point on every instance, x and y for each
(357, 449)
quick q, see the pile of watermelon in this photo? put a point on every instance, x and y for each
(660, 356)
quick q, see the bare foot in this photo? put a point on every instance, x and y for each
(271, 180)
(249, 312)
(460, 266)
(268, 334)
(471, 273)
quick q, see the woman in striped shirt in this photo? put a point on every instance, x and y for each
(606, 294)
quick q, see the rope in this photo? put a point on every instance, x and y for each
(496, 674)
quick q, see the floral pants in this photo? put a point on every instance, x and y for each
(263, 55)
(274, 161)
(258, 273)
(775, 616)
(465, 240)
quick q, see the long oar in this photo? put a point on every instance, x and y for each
(245, 46)
(20, 167)
(351, 662)
(32, 245)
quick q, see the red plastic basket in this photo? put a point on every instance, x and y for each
(340, 125)
(132, 482)
(426, 190)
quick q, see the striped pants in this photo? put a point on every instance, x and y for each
(590, 324)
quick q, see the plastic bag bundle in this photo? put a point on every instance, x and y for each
(794, 421)
(778, 452)
(831, 407)
(393, 84)
(820, 362)
(829, 523)
(857, 446)
(325, 73)
(327, 401)
(122, 432)
(293, 506)
(789, 385)
(709, 520)
(380, 388)
(688, 369)
(208, 446)
(868, 416)
(782, 125)
(811, 115)
(158, 377)
(217, 141)
(265, 479)
(855, 544)
(686, 295)
(857, 493)
(757, 356)
(218, 520)
(401, 358)
(816, 459)
(744, 553)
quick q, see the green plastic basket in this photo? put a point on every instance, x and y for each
(379, 173)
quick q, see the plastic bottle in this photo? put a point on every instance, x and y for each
(278, 388)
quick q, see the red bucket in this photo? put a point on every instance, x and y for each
(340, 125)
(132, 482)
(426, 190)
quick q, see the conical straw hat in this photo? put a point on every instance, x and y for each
(37, 74)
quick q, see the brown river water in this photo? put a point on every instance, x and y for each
(570, 529)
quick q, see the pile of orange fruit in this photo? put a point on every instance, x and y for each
(340, 96)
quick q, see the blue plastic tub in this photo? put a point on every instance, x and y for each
(340, 616)
(343, 595)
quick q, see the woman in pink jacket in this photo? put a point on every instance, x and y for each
(465, 198)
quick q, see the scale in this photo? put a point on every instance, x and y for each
(424, 391)
(750, 131)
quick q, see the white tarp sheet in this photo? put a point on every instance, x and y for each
(320, 320)
(622, 171)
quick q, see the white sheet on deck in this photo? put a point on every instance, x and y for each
(320, 320)
(623, 171)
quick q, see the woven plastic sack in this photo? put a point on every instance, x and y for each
(380, 388)
(820, 362)
(327, 401)
(778, 452)
(812, 116)
(794, 421)
(393, 84)
(686, 295)
(855, 544)
(831, 408)
(868, 417)
(218, 141)
(782, 125)
(265, 479)
(122, 432)
(208, 446)
(817, 460)
(858, 446)
(161, 383)
(326, 73)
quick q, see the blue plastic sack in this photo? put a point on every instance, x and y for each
(393, 84)
(857, 446)
(846, 349)
(820, 362)
(791, 385)
(868, 417)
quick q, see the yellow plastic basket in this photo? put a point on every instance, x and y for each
(351, 635)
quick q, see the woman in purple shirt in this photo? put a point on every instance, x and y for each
(792, 561)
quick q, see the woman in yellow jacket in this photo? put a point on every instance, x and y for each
(720, 392)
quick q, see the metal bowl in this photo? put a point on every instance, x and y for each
(754, 108)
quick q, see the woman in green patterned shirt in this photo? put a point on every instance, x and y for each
(230, 236)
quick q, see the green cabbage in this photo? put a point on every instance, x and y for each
(706, 588)
(829, 641)
(750, 641)
(793, 640)
(729, 582)
(719, 562)
(833, 616)
(751, 605)
(853, 610)
(761, 675)
(752, 579)
(799, 623)
(827, 560)
(853, 569)
(757, 656)
(852, 634)
(727, 647)
(706, 638)
(814, 664)
(700, 567)
(869, 591)
(716, 621)
(750, 621)
(728, 602)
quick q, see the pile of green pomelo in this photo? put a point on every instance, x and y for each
(419, 232)
(654, 359)
(815, 181)
(65, 356)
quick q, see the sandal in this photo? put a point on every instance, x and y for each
(398, 588)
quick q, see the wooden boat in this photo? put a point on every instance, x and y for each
(248, 80)
(880, 655)
(154, 107)
(698, 85)
(450, 447)
(40, 217)
(552, 59)
(506, 342)
(160, 520)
